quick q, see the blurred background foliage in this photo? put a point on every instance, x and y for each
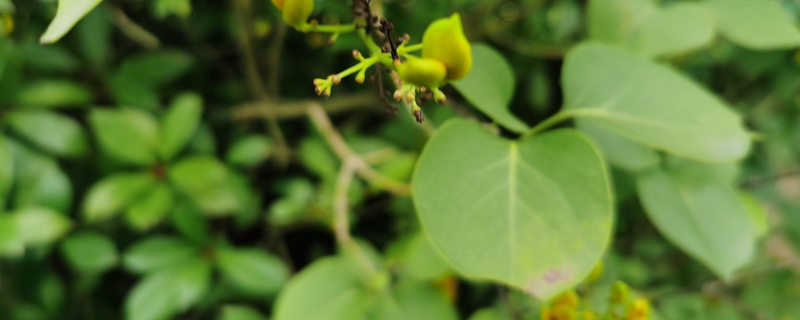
(157, 161)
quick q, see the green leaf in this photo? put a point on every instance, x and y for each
(148, 210)
(165, 293)
(286, 211)
(6, 171)
(133, 93)
(50, 131)
(758, 217)
(415, 300)
(155, 69)
(53, 94)
(48, 58)
(114, 193)
(180, 8)
(756, 24)
(535, 214)
(249, 151)
(619, 151)
(242, 266)
(489, 86)
(158, 253)
(130, 136)
(94, 35)
(703, 216)
(10, 240)
(90, 252)
(40, 182)
(234, 312)
(39, 225)
(490, 314)
(650, 104)
(180, 124)
(643, 27)
(206, 182)
(416, 257)
(189, 222)
(68, 14)
(333, 286)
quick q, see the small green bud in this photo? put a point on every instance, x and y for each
(296, 12)
(444, 41)
(422, 72)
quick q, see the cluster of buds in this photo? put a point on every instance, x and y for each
(570, 306)
(446, 53)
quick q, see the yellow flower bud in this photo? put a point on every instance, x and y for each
(639, 309)
(279, 3)
(619, 293)
(296, 12)
(567, 299)
(422, 72)
(444, 41)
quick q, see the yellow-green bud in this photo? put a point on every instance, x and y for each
(444, 41)
(422, 72)
(279, 3)
(296, 12)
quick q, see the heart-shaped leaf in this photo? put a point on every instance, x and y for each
(535, 214)
(650, 104)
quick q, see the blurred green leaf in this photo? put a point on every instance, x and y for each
(130, 136)
(331, 286)
(234, 312)
(756, 24)
(489, 86)
(702, 216)
(619, 151)
(68, 14)
(41, 182)
(418, 258)
(490, 314)
(54, 93)
(203, 141)
(51, 292)
(415, 300)
(249, 151)
(6, 6)
(476, 192)
(399, 167)
(650, 104)
(241, 266)
(285, 211)
(53, 58)
(50, 131)
(10, 240)
(6, 171)
(114, 193)
(206, 182)
(157, 68)
(643, 27)
(158, 253)
(164, 8)
(149, 209)
(179, 124)
(165, 293)
(94, 35)
(133, 93)
(758, 217)
(318, 158)
(90, 252)
(39, 225)
(189, 222)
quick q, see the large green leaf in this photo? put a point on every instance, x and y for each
(148, 210)
(700, 214)
(163, 294)
(241, 266)
(756, 24)
(68, 14)
(619, 151)
(415, 300)
(489, 86)
(6, 171)
(157, 68)
(130, 136)
(158, 253)
(50, 131)
(53, 94)
(329, 289)
(641, 26)
(180, 124)
(90, 252)
(94, 35)
(39, 225)
(535, 214)
(114, 193)
(650, 104)
(206, 181)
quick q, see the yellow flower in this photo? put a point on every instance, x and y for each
(444, 41)
(639, 309)
(295, 12)
(422, 72)
(567, 299)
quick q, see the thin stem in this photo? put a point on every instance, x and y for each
(549, 122)
(411, 48)
(365, 64)
(331, 28)
(134, 31)
(341, 223)
(268, 109)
